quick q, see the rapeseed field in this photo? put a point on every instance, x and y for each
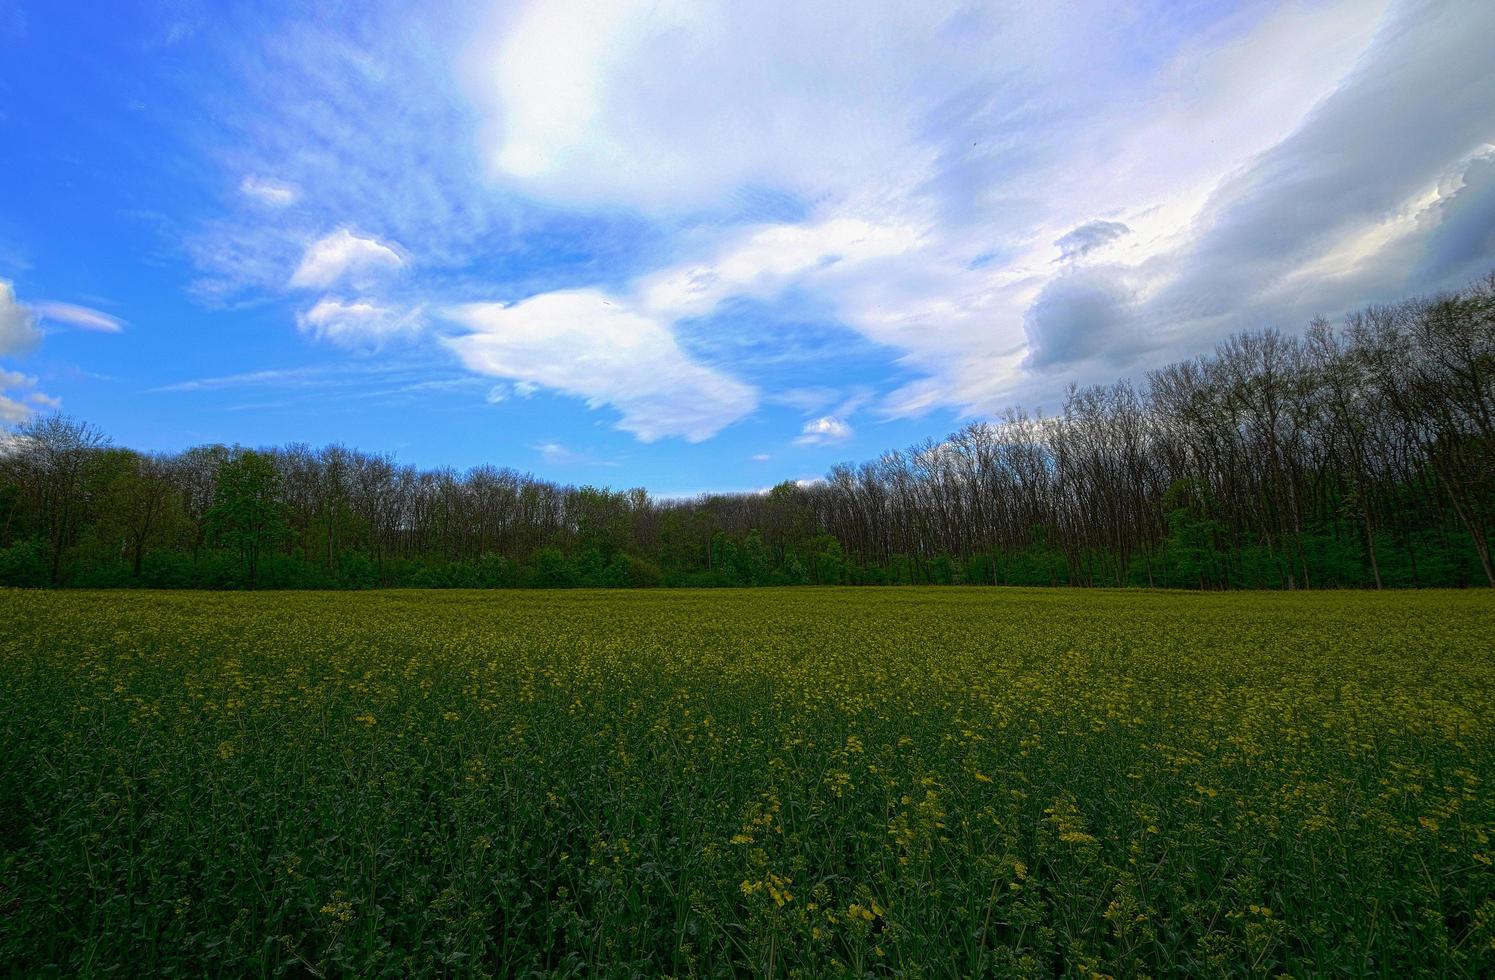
(805, 782)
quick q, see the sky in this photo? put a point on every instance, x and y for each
(700, 246)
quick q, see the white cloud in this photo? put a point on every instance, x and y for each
(942, 179)
(950, 180)
(824, 431)
(761, 457)
(586, 344)
(15, 379)
(668, 103)
(356, 112)
(554, 452)
(766, 259)
(344, 254)
(270, 192)
(18, 333)
(503, 392)
(356, 323)
(12, 411)
(81, 317)
(18, 399)
(558, 455)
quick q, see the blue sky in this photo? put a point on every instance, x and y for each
(700, 246)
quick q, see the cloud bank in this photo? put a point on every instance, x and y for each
(1001, 198)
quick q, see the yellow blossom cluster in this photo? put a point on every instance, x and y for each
(805, 782)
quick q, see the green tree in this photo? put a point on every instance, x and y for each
(247, 515)
(754, 560)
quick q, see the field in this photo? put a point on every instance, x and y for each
(773, 782)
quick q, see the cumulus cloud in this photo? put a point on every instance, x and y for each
(824, 431)
(18, 332)
(1089, 237)
(343, 254)
(81, 317)
(357, 322)
(589, 345)
(270, 192)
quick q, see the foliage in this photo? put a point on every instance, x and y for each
(804, 782)
(247, 516)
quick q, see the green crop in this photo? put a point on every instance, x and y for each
(777, 782)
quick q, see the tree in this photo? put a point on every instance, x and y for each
(55, 453)
(247, 516)
(137, 500)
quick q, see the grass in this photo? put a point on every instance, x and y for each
(798, 782)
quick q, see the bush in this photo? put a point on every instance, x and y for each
(629, 572)
(550, 570)
(355, 570)
(93, 573)
(167, 570)
(23, 564)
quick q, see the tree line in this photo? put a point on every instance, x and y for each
(1358, 454)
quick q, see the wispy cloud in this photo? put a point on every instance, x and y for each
(285, 376)
(503, 392)
(555, 454)
(405, 374)
(82, 317)
(267, 191)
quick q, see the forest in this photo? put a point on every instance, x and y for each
(1353, 455)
